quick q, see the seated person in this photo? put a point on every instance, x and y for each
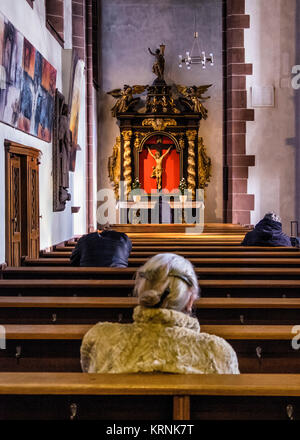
(105, 249)
(267, 232)
(164, 337)
(295, 241)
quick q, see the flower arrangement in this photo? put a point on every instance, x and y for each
(182, 185)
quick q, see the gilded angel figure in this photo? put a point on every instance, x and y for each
(192, 98)
(125, 99)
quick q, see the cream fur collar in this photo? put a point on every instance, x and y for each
(167, 317)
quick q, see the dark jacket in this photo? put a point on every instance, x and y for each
(108, 249)
(266, 233)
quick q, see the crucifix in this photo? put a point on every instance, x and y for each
(158, 169)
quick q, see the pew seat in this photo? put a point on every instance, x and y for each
(82, 396)
(197, 262)
(248, 253)
(86, 287)
(225, 247)
(260, 349)
(71, 272)
(179, 229)
(90, 310)
(75, 332)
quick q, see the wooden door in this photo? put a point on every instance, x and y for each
(33, 224)
(22, 203)
(14, 217)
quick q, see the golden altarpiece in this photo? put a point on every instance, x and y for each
(160, 142)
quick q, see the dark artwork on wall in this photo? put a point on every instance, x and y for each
(27, 84)
(61, 148)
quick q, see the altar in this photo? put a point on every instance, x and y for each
(154, 212)
(160, 151)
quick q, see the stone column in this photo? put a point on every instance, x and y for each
(237, 202)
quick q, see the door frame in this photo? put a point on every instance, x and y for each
(12, 147)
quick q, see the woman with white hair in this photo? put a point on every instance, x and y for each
(163, 336)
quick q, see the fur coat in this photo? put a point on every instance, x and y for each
(159, 340)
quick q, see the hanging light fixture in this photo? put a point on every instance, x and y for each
(198, 58)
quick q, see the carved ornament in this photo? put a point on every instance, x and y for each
(114, 166)
(159, 124)
(204, 165)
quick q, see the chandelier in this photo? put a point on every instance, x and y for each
(198, 58)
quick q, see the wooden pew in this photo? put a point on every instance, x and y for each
(61, 272)
(153, 229)
(174, 240)
(169, 239)
(188, 248)
(260, 349)
(209, 288)
(197, 262)
(66, 396)
(170, 243)
(205, 237)
(196, 254)
(90, 310)
(166, 243)
(157, 229)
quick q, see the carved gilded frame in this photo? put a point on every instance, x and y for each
(145, 136)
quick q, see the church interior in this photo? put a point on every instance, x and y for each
(175, 122)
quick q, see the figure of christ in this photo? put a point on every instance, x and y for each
(158, 169)
(65, 146)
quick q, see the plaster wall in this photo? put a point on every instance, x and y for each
(270, 46)
(54, 227)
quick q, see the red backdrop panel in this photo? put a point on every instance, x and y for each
(171, 166)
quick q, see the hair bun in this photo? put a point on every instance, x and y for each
(149, 298)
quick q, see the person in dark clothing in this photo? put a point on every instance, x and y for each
(106, 249)
(267, 232)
